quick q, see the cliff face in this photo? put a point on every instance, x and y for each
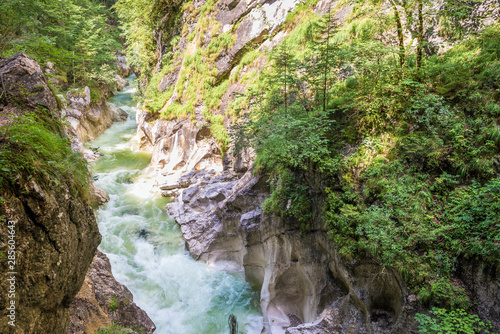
(103, 301)
(56, 236)
(305, 287)
(48, 231)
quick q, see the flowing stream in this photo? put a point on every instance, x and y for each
(146, 250)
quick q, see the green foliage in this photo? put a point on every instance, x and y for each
(32, 148)
(113, 304)
(140, 19)
(456, 321)
(289, 198)
(73, 34)
(409, 156)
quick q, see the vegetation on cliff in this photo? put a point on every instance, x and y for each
(35, 148)
(408, 148)
(404, 132)
(79, 36)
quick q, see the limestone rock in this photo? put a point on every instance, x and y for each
(102, 301)
(178, 147)
(122, 83)
(98, 196)
(88, 120)
(305, 287)
(169, 79)
(25, 83)
(258, 18)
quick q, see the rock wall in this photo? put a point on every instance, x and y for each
(56, 236)
(304, 285)
(87, 120)
(178, 147)
(102, 301)
(24, 83)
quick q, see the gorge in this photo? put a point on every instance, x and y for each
(308, 166)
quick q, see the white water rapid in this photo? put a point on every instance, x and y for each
(146, 250)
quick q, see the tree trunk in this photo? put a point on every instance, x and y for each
(399, 26)
(420, 35)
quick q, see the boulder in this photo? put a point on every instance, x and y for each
(24, 83)
(102, 301)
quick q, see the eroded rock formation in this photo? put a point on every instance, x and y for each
(103, 301)
(88, 120)
(305, 286)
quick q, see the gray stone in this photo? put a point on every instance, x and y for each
(189, 193)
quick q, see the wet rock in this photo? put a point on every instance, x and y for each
(122, 83)
(103, 301)
(119, 115)
(25, 83)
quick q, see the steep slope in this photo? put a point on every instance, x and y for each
(49, 232)
(311, 249)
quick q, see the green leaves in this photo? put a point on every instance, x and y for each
(73, 34)
(458, 321)
(30, 147)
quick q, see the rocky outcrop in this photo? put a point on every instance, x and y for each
(87, 120)
(256, 19)
(103, 301)
(178, 147)
(24, 84)
(483, 281)
(305, 287)
(56, 236)
(124, 69)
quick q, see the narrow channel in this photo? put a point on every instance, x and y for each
(146, 249)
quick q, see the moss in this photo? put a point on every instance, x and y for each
(34, 147)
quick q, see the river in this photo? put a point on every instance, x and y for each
(146, 249)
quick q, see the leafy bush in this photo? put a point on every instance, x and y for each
(456, 321)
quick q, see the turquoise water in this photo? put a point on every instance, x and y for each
(146, 249)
